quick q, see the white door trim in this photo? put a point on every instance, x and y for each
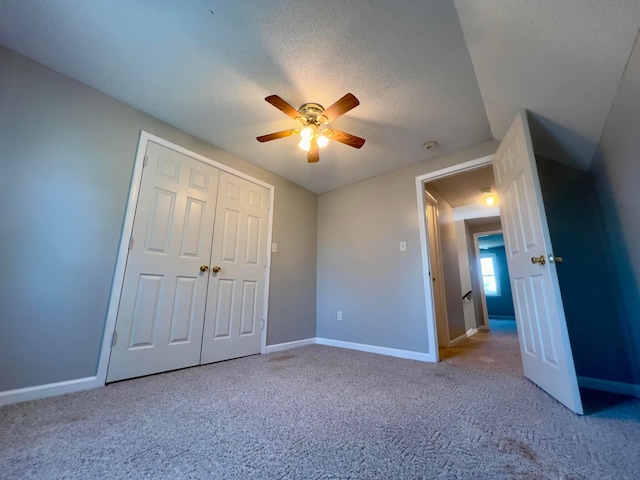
(127, 230)
(432, 356)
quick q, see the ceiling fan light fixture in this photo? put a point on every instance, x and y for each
(322, 141)
(305, 144)
(313, 117)
(308, 132)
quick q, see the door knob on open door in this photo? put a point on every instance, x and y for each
(204, 268)
(216, 269)
(541, 260)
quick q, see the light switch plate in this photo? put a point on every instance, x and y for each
(274, 247)
(403, 246)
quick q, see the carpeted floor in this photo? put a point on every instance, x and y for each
(325, 413)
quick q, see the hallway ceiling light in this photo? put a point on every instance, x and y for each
(488, 197)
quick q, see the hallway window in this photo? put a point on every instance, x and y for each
(489, 274)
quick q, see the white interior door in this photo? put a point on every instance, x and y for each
(233, 320)
(542, 328)
(161, 313)
(436, 275)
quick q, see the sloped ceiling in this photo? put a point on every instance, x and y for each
(563, 60)
(454, 73)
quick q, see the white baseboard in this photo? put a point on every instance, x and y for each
(278, 347)
(392, 352)
(52, 389)
(457, 340)
(610, 386)
(49, 390)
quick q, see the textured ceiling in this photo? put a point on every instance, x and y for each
(464, 188)
(561, 59)
(205, 67)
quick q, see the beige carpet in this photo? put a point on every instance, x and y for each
(325, 413)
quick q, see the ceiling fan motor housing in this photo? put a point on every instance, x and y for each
(312, 113)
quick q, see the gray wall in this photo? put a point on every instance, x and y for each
(66, 159)
(292, 298)
(616, 168)
(360, 268)
(501, 306)
(597, 330)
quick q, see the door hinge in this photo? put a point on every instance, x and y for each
(114, 339)
(130, 243)
(263, 324)
(146, 159)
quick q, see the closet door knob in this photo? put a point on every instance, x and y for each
(216, 269)
(204, 268)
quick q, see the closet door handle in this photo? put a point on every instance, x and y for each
(204, 268)
(215, 269)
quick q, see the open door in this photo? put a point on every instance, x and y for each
(542, 328)
(436, 273)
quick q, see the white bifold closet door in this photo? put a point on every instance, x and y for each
(232, 326)
(171, 294)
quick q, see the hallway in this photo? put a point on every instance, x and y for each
(495, 350)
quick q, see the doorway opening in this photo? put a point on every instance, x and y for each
(546, 353)
(460, 231)
(495, 285)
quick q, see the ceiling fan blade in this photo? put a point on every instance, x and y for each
(346, 138)
(275, 136)
(283, 106)
(314, 152)
(341, 107)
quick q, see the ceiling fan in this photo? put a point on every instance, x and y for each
(313, 117)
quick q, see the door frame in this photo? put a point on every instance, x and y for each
(127, 231)
(432, 332)
(439, 292)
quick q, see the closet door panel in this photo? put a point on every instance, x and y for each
(162, 306)
(239, 250)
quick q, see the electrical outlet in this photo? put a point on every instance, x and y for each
(339, 315)
(403, 246)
